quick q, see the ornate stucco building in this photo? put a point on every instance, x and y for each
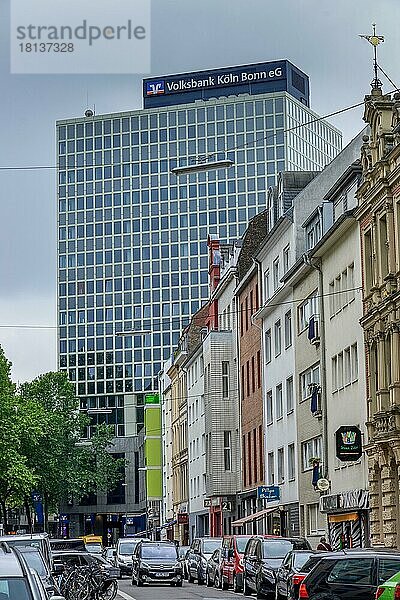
(379, 218)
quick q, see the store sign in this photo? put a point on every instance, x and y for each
(183, 519)
(268, 492)
(207, 502)
(188, 82)
(348, 443)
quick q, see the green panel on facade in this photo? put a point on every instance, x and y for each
(152, 399)
(153, 484)
(152, 421)
(152, 452)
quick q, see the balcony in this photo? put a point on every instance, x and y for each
(385, 425)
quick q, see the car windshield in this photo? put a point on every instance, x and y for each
(35, 561)
(127, 548)
(276, 548)
(210, 545)
(93, 548)
(310, 564)
(158, 551)
(11, 589)
(24, 543)
(241, 544)
(301, 559)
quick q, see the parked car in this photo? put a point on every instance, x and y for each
(85, 559)
(232, 561)
(34, 559)
(182, 552)
(36, 540)
(108, 555)
(262, 558)
(354, 574)
(289, 575)
(17, 580)
(93, 544)
(198, 555)
(58, 544)
(213, 570)
(156, 562)
(390, 590)
(123, 554)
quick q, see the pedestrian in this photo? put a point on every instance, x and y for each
(324, 545)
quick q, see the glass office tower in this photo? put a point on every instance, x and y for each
(132, 237)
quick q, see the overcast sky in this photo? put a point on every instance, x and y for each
(319, 36)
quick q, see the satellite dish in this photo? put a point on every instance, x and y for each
(89, 113)
(323, 485)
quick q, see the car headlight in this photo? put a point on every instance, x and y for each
(144, 565)
(178, 565)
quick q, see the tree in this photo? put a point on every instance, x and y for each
(62, 467)
(17, 477)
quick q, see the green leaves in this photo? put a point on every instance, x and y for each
(40, 426)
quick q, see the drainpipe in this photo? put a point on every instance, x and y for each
(324, 402)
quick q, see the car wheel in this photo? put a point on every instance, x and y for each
(133, 582)
(224, 583)
(246, 588)
(190, 578)
(139, 582)
(208, 580)
(236, 586)
(217, 582)
(179, 583)
(200, 579)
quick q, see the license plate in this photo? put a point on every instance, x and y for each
(160, 574)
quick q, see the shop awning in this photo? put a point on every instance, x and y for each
(344, 517)
(254, 517)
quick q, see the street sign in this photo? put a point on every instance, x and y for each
(183, 519)
(268, 492)
(323, 484)
(348, 443)
(227, 506)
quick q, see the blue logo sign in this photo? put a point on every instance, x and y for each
(155, 88)
(268, 492)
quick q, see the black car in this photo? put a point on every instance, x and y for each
(197, 557)
(156, 562)
(262, 558)
(34, 559)
(84, 559)
(290, 574)
(213, 569)
(350, 575)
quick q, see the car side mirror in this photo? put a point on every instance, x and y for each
(114, 553)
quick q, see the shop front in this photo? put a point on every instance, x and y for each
(348, 519)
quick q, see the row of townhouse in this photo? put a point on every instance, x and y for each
(268, 386)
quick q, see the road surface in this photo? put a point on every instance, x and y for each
(189, 591)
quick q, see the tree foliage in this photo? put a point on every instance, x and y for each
(40, 431)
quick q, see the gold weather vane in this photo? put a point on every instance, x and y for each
(374, 40)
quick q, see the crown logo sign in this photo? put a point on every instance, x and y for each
(348, 438)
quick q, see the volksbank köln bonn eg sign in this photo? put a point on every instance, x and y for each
(253, 79)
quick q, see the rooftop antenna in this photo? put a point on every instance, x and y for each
(375, 40)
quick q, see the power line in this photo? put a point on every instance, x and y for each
(163, 320)
(265, 137)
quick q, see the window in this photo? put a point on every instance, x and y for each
(387, 568)
(310, 450)
(225, 379)
(288, 329)
(276, 273)
(253, 376)
(258, 369)
(279, 401)
(278, 337)
(286, 259)
(268, 346)
(350, 282)
(289, 395)
(340, 370)
(347, 366)
(354, 362)
(271, 469)
(354, 571)
(267, 286)
(332, 306)
(270, 415)
(309, 377)
(281, 465)
(307, 309)
(334, 373)
(227, 451)
(313, 520)
(291, 462)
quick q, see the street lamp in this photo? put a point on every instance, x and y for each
(203, 166)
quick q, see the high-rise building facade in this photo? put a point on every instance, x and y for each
(132, 237)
